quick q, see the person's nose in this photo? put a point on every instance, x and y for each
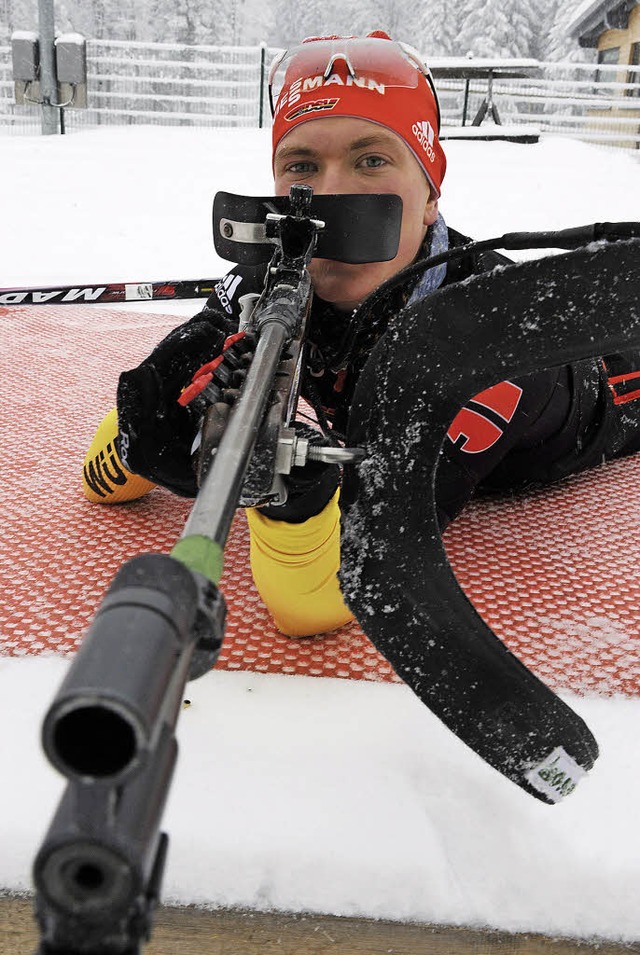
(333, 181)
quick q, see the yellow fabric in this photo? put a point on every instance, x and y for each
(105, 480)
(294, 566)
(295, 570)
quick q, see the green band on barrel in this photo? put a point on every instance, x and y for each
(201, 554)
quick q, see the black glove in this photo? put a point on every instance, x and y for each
(310, 488)
(155, 433)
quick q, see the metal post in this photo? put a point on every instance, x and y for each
(263, 51)
(48, 79)
(466, 102)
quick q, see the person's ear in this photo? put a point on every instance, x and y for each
(430, 210)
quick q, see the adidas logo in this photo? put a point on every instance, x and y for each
(425, 134)
(99, 478)
(226, 289)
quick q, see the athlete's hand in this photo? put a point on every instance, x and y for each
(155, 433)
(310, 488)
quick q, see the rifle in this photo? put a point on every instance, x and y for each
(111, 727)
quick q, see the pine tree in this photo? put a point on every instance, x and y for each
(541, 15)
(399, 19)
(18, 15)
(6, 25)
(253, 21)
(437, 29)
(291, 22)
(522, 15)
(486, 29)
(559, 45)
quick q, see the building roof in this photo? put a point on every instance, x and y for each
(593, 17)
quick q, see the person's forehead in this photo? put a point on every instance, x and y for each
(343, 132)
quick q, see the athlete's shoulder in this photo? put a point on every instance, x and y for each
(240, 280)
(474, 262)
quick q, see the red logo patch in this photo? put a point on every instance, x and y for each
(315, 106)
(478, 431)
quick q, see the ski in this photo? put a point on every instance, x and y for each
(108, 292)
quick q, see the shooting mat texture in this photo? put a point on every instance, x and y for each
(555, 573)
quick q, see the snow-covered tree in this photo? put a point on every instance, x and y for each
(532, 28)
(399, 19)
(486, 29)
(437, 29)
(293, 21)
(18, 15)
(253, 21)
(559, 45)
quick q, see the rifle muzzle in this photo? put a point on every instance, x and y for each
(128, 677)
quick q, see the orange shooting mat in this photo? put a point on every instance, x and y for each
(554, 573)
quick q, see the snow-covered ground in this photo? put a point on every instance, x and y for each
(298, 793)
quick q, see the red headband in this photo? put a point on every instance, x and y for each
(371, 78)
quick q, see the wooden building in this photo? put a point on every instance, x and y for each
(612, 27)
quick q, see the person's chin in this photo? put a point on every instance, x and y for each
(341, 284)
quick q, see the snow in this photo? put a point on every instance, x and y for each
(318, 794)
(486, 63)
(582, 13)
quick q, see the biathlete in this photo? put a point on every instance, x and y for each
(357, 115)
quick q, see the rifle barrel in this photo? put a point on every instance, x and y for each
(215, 506)
(127, 677)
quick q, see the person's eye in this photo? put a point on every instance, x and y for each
(301, 168)
(372, 162)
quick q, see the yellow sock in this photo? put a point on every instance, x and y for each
(105, 480)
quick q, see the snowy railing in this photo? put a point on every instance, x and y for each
(158, 83)
(595, 102)
(166, 83)
(170, 84)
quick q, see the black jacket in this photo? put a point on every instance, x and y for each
(560, 420)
